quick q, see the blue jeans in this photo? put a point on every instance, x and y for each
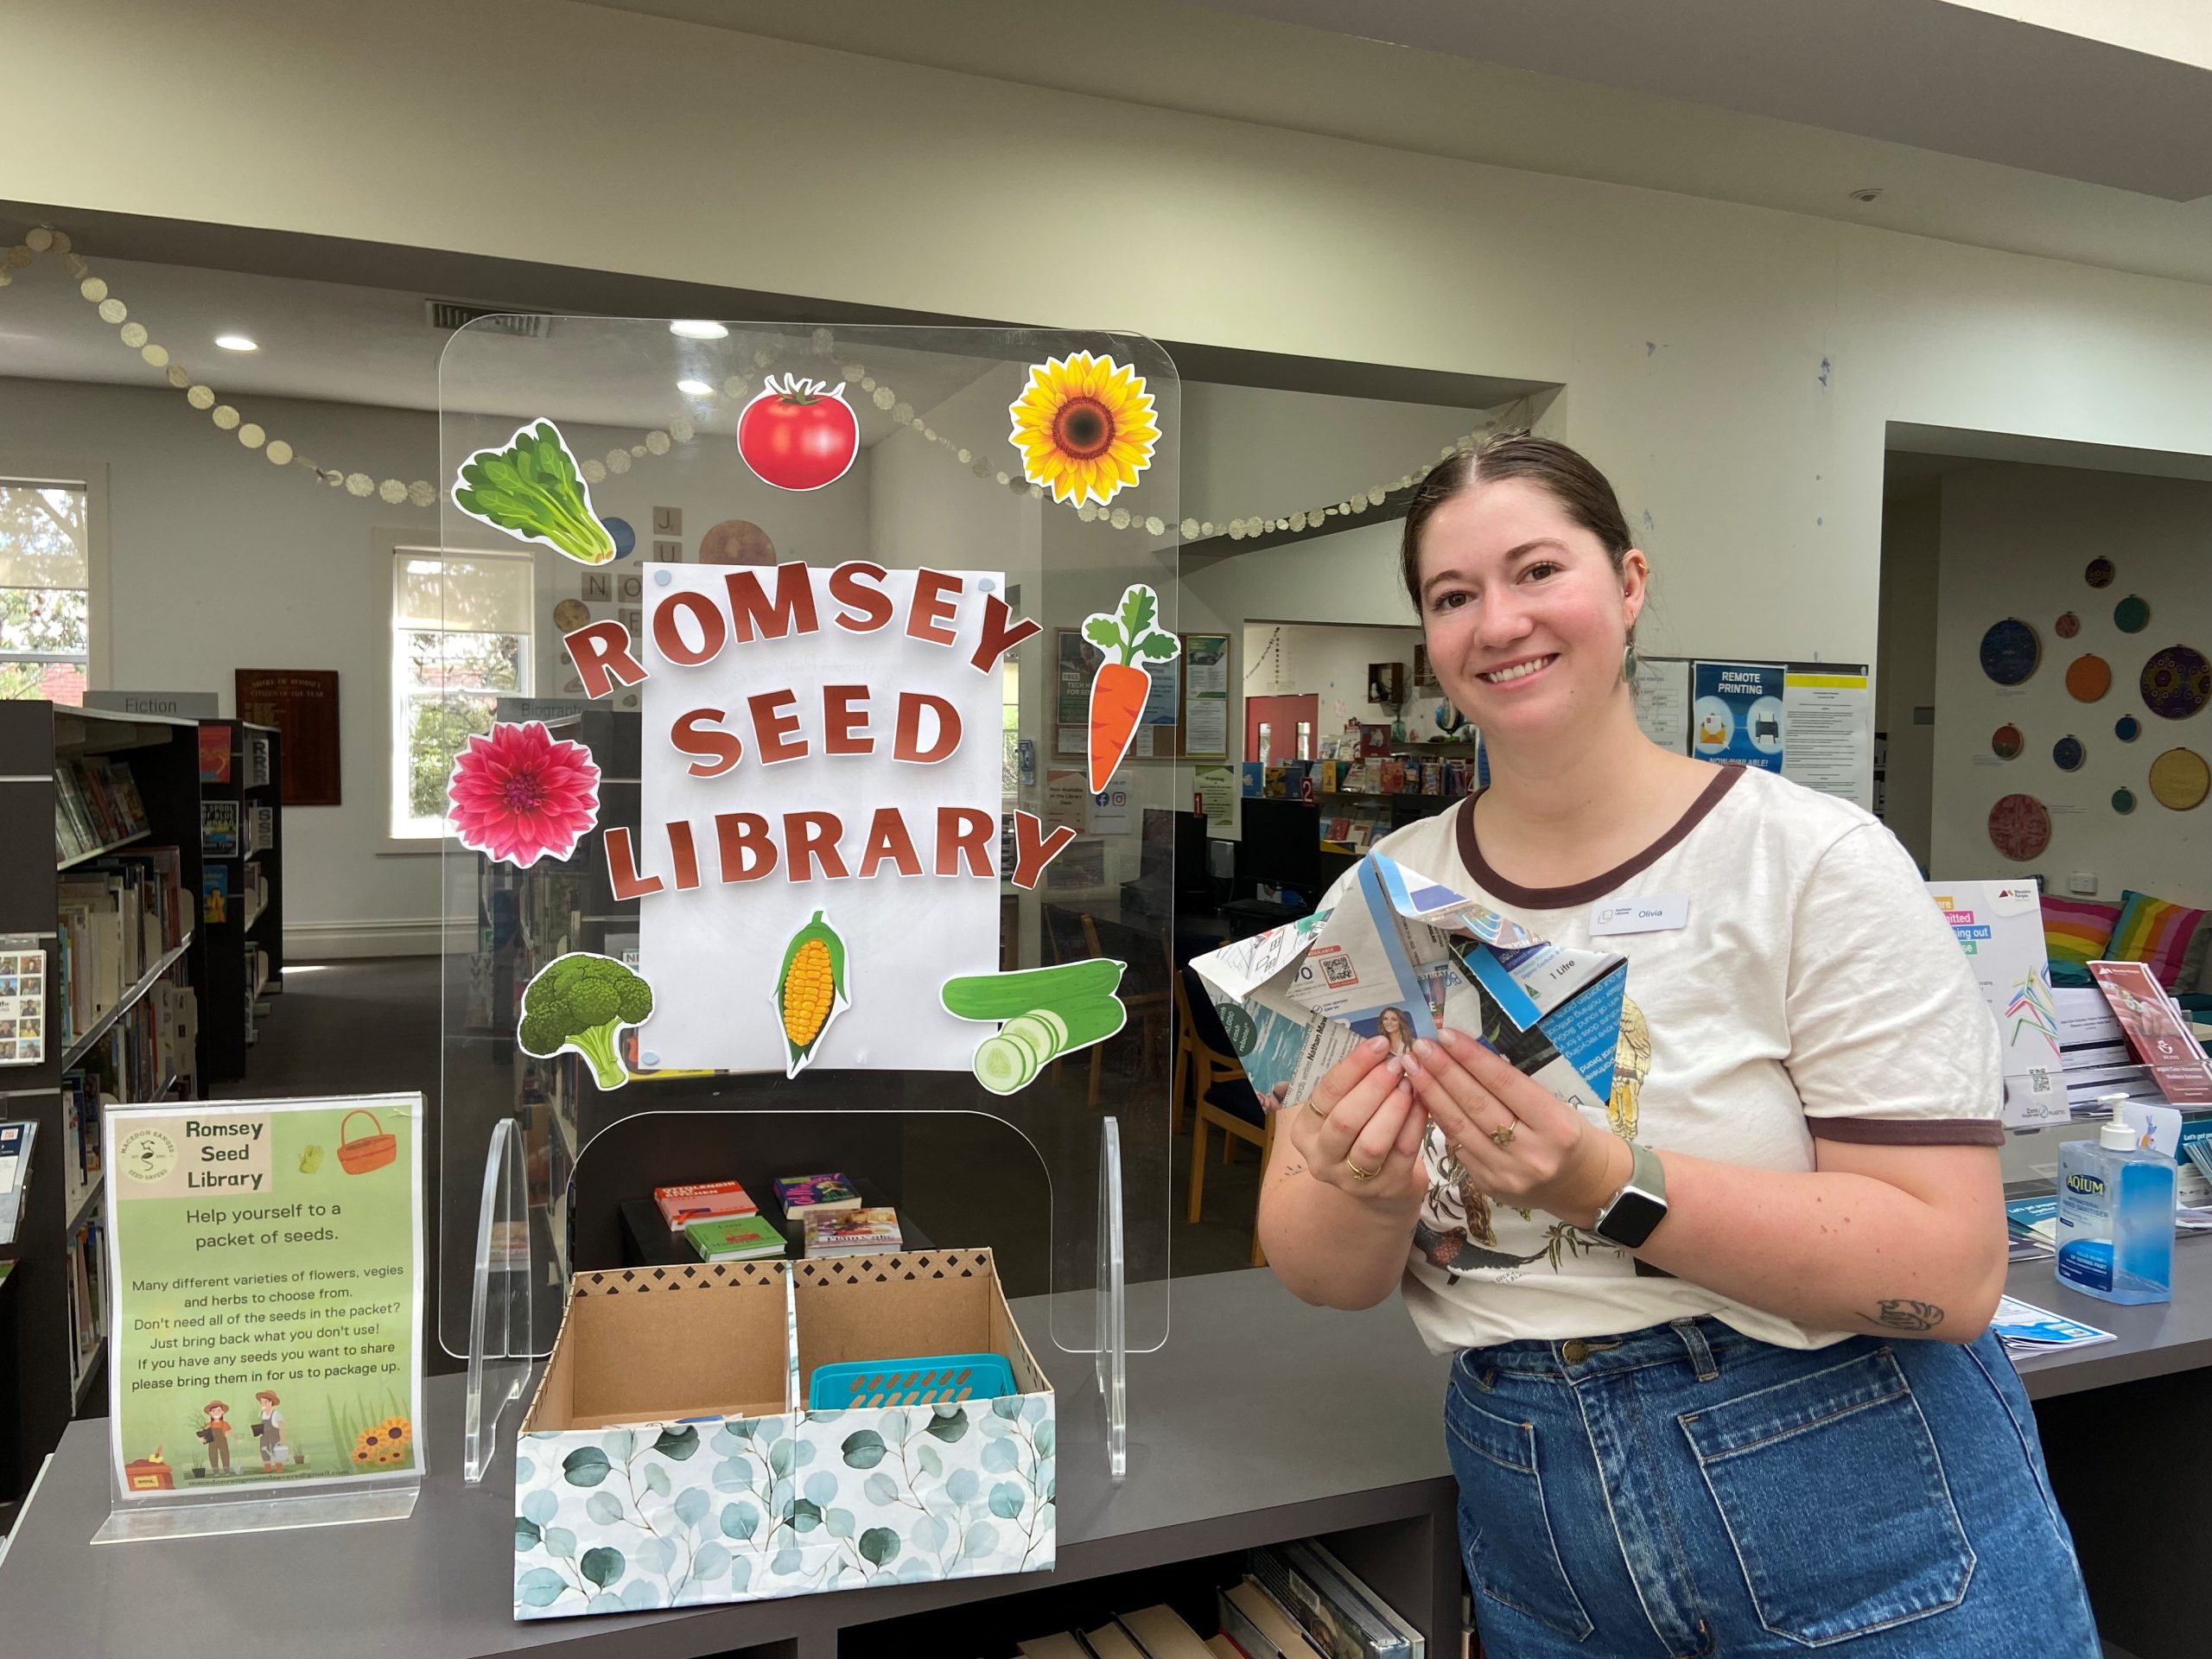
(1687, 1489)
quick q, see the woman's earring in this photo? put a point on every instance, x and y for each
(1628, 662)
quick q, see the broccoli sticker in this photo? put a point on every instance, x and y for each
(532, 490)
(581, 1002)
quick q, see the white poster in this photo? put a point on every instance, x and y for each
(1999, 925)
(816, 741)
(1662, 702)
(1827, 717)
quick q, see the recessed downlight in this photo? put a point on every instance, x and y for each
(695, 389)
(238, 342)
(698, 328)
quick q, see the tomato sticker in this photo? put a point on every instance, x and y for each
(798, 435)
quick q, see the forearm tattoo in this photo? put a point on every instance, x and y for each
(1908, 1316)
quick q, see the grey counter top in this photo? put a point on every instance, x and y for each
(1260, 1418)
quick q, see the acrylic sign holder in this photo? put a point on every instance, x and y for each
(633, 516)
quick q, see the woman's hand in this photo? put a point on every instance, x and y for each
(1360, 1131)
(1519, 1142)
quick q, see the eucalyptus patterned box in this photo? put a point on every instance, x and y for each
(666, 1460)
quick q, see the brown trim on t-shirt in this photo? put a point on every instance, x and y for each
(1910, 1131)
(1582, 893)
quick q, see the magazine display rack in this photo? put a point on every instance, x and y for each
(771, 708)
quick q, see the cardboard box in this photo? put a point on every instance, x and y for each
(666, 1460)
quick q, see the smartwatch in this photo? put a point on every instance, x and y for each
(1630, 1216)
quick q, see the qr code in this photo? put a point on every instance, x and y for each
(1338, 971)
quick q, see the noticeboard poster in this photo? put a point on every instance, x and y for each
(266, 1264)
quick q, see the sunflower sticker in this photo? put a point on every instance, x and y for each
(1085, 428)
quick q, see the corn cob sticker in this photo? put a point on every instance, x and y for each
(810, 990)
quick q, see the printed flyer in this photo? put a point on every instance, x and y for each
(266, 1257)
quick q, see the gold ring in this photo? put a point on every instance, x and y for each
(1316, 1106)
(1502, 1134)
(1358, 1173)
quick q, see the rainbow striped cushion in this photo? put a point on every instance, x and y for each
(2076, 931)
(2155, 933)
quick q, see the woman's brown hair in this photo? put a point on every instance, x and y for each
(1577, 486)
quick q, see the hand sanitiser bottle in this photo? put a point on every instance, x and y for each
(2116, 1218)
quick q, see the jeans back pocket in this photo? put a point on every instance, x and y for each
(1832, 1494)
(1505, 1529)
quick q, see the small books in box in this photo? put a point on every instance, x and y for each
(807, 1195)
(852, 1232)
(702, 1201)
(735, 1238)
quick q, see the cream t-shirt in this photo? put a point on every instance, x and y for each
(1815, 991)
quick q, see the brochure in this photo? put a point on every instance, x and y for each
(1402, 955)
(2025, 1329)
(2159, 1036)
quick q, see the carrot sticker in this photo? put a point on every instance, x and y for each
(1117, 695)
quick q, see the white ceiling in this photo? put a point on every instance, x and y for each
(344, 344)
(2104, 112)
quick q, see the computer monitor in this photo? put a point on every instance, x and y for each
(1282, 844)
(1178, 835)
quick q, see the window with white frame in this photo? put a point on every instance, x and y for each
(460, 638)
(45, 607)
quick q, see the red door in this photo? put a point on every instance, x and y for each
(1281, 717)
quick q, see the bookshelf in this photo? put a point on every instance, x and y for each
(110, 903)
(240, 940)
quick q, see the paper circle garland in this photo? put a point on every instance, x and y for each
(2127, 728)
(2067, 626)
(2099, 573)
(2123, 801)
(2089, 678)
(2006, 743)
(2011, 651)
(2132, 614)
(2180, 780)
(2067, 754)
(2020, 828)
(2176, 683)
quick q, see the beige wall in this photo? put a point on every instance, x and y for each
(2015, 539)
(1904, 671)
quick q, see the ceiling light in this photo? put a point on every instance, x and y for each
(1866, 193)
(694, 329)
(237, 343)
(695, 389)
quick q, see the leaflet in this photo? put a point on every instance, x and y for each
(1402, 956)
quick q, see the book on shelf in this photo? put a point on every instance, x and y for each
(215, 754)
(115, 918)
(1251, 1619)
(852, 1232)
(256, 759)
(1161, 1633)
(219, 829)
(680, 1206)
(16, 1137)
(87, 1297)
(95, 804)
(735, 1238)
(260, 827)
(1338, 1613)
(22, 1006)
(801, 1196)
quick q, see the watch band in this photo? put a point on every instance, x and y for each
(1631, 1214)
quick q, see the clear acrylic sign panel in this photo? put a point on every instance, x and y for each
(779, 579)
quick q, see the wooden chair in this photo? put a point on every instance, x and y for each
(1222, 1096)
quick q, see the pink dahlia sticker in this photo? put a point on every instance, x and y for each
(519, 794)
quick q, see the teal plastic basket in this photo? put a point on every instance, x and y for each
(937, 1379)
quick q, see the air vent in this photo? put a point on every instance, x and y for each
(450, 314)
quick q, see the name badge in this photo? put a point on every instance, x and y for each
(1658, 913)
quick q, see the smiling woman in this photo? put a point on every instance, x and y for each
(1797, 1166)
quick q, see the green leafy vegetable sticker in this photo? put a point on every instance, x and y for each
(532, 490)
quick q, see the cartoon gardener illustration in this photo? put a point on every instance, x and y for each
(270, 1430)
(216, 1432)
